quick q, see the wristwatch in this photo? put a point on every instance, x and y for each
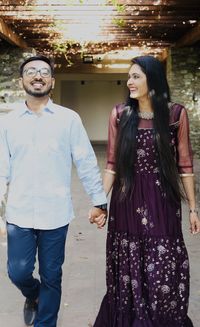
(102, 206)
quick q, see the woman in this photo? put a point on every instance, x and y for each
(149, 155)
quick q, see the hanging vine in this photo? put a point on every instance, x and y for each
(68, 48)
(121, 8)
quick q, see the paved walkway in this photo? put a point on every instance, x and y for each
(84, 270)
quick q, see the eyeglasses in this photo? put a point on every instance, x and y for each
(32, 72)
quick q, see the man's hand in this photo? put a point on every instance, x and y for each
(2, 215)
(98, 216)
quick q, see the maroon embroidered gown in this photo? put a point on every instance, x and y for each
(147, 261)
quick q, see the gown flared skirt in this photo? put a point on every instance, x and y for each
(147, 261)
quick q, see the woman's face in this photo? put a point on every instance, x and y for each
(137, 83)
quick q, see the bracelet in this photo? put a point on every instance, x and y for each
(186, 175)
(109, 171)
(193, 210)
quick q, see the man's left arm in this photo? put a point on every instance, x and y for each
(86, 163)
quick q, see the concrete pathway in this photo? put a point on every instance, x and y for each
(84, 270)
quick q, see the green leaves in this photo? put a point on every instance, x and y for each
(119, 7)
(119, 22)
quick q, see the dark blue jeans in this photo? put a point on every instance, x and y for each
(23, 245)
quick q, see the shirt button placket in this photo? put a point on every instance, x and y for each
(35, 169)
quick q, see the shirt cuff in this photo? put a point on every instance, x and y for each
(99, 198)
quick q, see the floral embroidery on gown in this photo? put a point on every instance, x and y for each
(147, 261)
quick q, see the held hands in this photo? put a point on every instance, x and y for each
(98, 216)
(194, 223)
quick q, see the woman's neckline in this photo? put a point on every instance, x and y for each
(146, 115)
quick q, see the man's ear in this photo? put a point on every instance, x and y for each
(53, 83)
(20, 82)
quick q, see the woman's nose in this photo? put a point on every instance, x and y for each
(130, 81)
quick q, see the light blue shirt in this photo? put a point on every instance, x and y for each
(36, 154)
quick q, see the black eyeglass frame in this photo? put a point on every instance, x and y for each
(35, 71)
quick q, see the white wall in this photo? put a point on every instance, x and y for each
(93, 97)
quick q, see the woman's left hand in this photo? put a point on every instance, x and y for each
(101, 221)
(194, 223)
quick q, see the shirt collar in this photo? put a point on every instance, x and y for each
(23, 109)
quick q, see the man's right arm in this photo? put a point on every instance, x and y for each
(4, 175)
(4, 163)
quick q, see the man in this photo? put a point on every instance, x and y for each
(38, 141)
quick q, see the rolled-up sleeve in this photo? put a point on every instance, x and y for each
(4, 161)
(86, 163)
(185, 157)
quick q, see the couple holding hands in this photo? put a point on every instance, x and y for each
(149, 171)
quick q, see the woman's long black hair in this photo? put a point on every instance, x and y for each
(126, 140)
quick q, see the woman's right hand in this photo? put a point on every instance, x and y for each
(194, 223)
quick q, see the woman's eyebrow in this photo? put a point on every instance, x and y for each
(134, 74)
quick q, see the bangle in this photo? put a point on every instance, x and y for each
(109, 171)
(187, 175)
(193, 210)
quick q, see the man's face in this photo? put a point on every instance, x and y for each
(37, 79)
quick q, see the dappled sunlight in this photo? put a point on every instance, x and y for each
(80, 21)
(69, 29)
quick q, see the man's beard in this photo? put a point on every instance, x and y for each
(36, 93)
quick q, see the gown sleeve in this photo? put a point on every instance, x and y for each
(185, 157)
(112, 134)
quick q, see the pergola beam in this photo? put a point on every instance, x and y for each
(7, 34)
(189, 38)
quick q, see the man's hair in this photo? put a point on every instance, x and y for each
(49, 61)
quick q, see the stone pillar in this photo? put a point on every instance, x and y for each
(183, 70)
(10, 60)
